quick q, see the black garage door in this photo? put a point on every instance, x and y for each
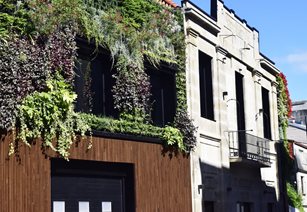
(88, 186)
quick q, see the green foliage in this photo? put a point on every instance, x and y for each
(173, 136)
(183, 123)
(50, 116)
(121, 126)
(25, 66)
(23, 70)
(288, 165)
(288, 169)
(182, 120)
(134, 31)
(137, 12)
(62, 50)
(129, 125)
(282, 104)
(284, 107)
(129, 31)
(295, 199)
(48, 16)
(132, 91)
(14, 18)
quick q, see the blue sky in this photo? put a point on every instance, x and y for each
(283, 35)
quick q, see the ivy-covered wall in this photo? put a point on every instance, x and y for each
(38, 53)
(284, 112)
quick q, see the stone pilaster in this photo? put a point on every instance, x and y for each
(257, 76)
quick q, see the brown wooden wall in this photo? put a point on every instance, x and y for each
(161, 184)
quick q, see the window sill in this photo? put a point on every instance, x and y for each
(212, 120)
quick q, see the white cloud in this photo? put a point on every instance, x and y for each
(298, 61)
(297, 58)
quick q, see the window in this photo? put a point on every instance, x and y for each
(266, 114)
(303, 186)
(244, 207)
(240, 102)
(94, 82)
(205, 83)
(163, 98)
(240, 113)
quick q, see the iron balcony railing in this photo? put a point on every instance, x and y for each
(244, 145)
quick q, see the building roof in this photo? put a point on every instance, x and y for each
(299, 102)
(297, 133)
(168, 3)
(299, 105)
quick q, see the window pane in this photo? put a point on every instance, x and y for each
(163, 95)
(58, 206)
(205, 84)
(106, 206)
(266, 114)
(239, 101)
(84, 207)
(94, 82)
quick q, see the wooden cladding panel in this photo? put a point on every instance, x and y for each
(24, 184)
(162, 184)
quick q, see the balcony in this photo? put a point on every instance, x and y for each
(249, 149)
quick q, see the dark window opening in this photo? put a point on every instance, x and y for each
(208, 206)
(206, 90)
(240, 113)
(163, 95)
(94, 82)
(266, 114)
(95, 185)
(303, 189)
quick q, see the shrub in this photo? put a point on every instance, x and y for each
(295, 199)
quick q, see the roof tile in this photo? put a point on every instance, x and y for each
(168, 2)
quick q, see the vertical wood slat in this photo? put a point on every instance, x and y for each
(161, 183)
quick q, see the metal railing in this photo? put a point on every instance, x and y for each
(244, 145)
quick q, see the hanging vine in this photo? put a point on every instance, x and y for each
(50, 115)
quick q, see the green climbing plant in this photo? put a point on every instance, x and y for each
(284, 112)
(50, 115)
(43, 33)
(295, 199)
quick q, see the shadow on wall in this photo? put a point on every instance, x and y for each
(239, 188)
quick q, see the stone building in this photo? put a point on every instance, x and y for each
(298, 141)
(233, 100)
(299, 111)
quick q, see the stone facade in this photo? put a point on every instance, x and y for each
(298, 138)
(299, 111)
(220, 182)
(300, 153)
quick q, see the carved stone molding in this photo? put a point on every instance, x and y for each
(257, 76)
(274, 86)
(192, 36)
